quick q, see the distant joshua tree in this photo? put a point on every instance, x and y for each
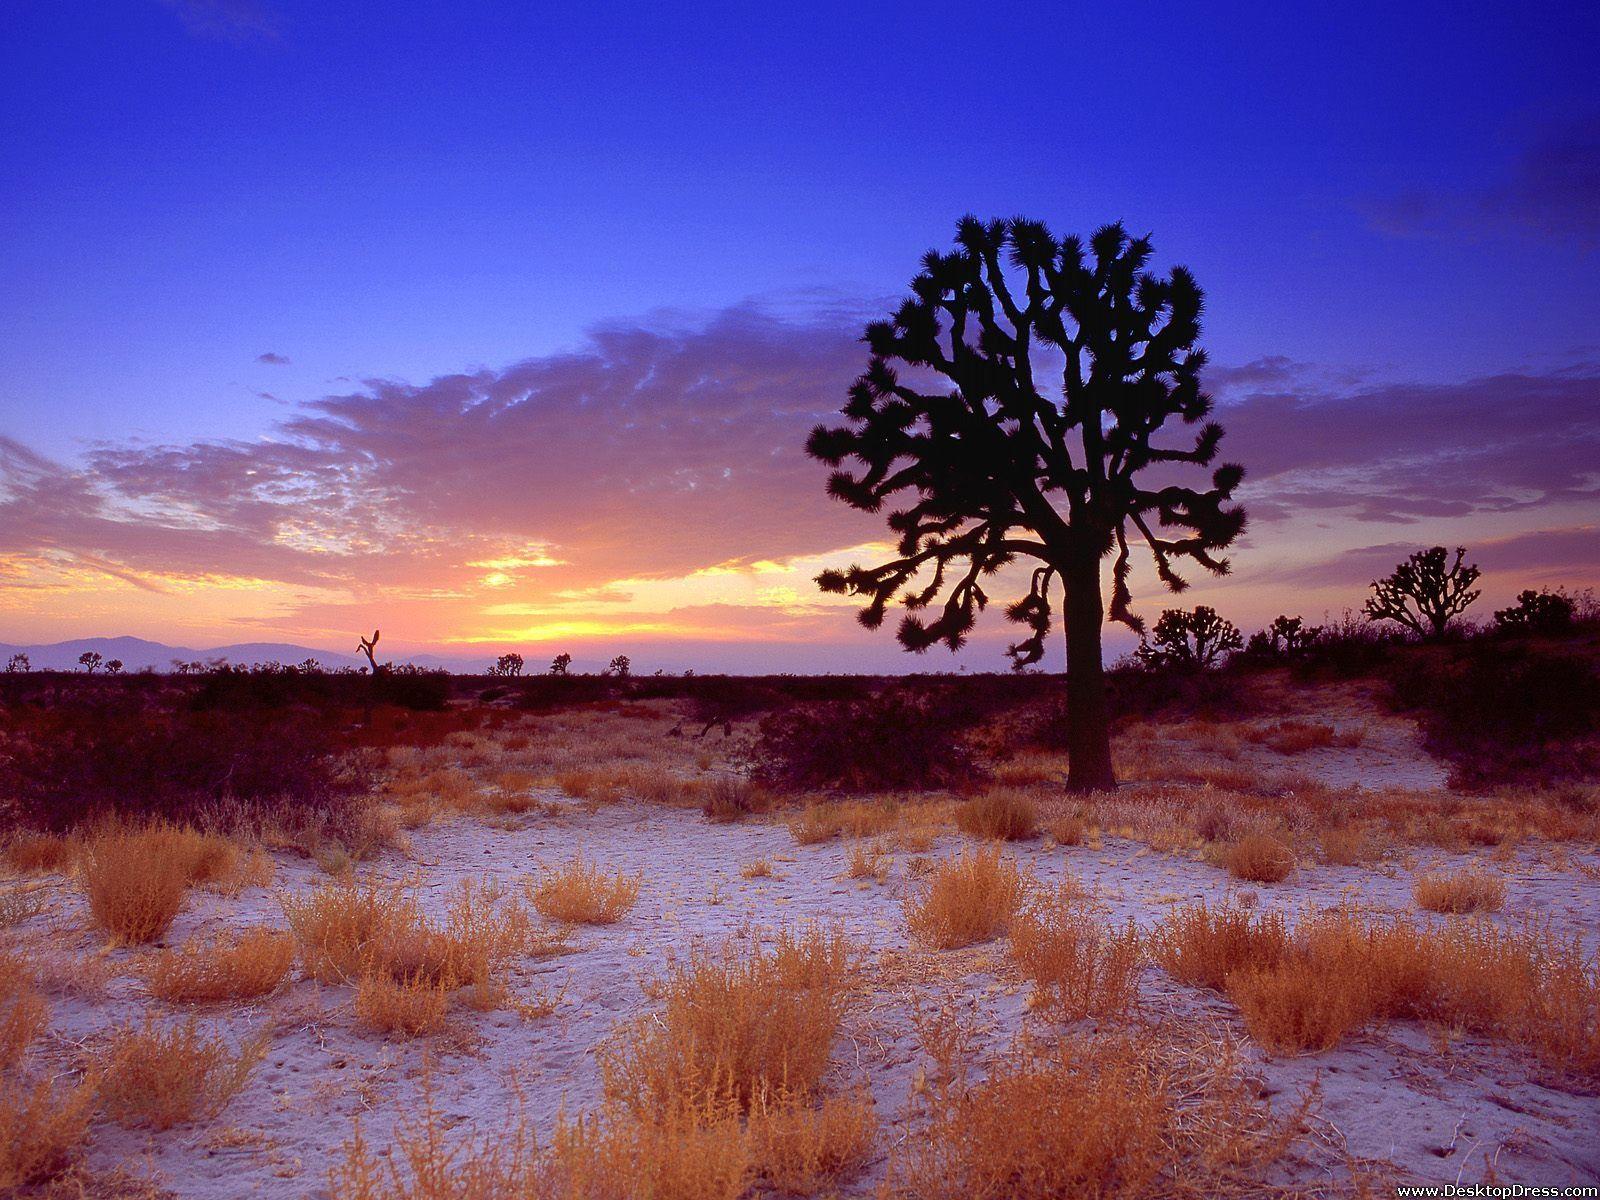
(1286, 637)
(18, 664)
(621, 666)
(90, 661)
(1542, 612)
(1425, 592)
(368, 645)
(560, 663)
(114, 666)
(507, 664)
(1006, 459)
(1195, 640)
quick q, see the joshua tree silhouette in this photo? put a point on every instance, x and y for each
(368, 645)
(1425, 592)
(1000, 465)
(1190, 639)
(560, 663)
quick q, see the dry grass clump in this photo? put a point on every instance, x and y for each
(42, 1127)
(1106, 1117)
(1346, 846)
(31, 852)
(136, 881)
(745, 1020)
(814, 824)
(867, 862)
(1003, 814)
(23, 1012)
(729, 798)
(1202, 946)
(1080, 966)
(1339, 971)
(1465, 891)
(1296, 737)
(581, 893)
(19, 904)
(226, 967)
(971, 898)
(757, 869)
(801, 1148)
(411, 1006)
(165, 1077)
(1258, 857)
(400, 962)
(701, 1154)
(1068, 831)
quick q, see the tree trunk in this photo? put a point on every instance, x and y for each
(1089, 720)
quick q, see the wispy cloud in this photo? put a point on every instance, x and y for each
(273, 359)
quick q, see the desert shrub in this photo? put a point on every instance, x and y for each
(1537, 612)
(1298, 1005)
(801, 1148)
(42, 1128)
(1202, 945)
(743, 1022)
(163, 1077)
(1080, 966)
(80, 761)
(1068, 830)
(700, 1154)
(1106, 1117)
(420, 689)
(895, 740)
(1258, 857)
(867, 862)
(971, 898)
(581, 893)
(136, 881)
(1466, 891)
(732, 798)
(235, 966)
(1503, 711)
(23, 1012)
(1003, 814)
(411, 1006)
(29, 852)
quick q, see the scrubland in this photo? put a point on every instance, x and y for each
(524, 947)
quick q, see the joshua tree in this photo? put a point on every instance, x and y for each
(114, 667)
(993, 458)
(1284, 638)
(18, 664)
(1545, 612)
(1424, 592)
(507, 664)
(620, 666)
(368, 645)
(560, 663)
(90, 661)
(1189, 639)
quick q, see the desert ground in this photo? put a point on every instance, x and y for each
(579, 954)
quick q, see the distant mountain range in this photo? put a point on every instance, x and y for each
(137, 654)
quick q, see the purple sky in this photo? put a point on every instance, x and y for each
(504, 326)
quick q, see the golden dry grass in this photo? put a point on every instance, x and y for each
(1080, 966)
(31, 852)
(743, 1020)
(43, 1125)
(1466, 891)
(232, 966)
(759, 868)
(135, 881)
(1201, 945)
(161, 1077)
(864, 861)
(581, 893)
(1259, 858)
(23, 1012)
(970, 898)
(412, 1006)
(1107, 1117)
(800, 1148)
(1003, 814)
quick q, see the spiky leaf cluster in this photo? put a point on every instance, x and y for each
(1009, 410)
(1194, 639)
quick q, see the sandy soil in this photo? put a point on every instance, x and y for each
(1432, 1112)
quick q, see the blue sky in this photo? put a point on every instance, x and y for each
(1375, 193)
